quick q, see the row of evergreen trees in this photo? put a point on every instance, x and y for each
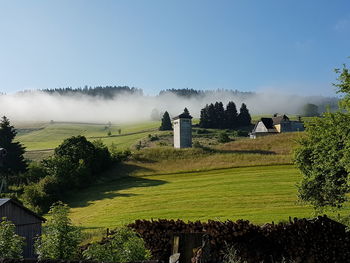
(106, 92)
(215, 116)
(192, 93)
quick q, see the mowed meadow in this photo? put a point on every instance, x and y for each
(242, 179)
(260, 194)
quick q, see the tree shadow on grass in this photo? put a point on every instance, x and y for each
(246, 152)
(108, 187)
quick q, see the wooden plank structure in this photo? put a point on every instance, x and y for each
(28, 224)
(186, 244)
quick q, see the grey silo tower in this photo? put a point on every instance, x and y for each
(182, 131)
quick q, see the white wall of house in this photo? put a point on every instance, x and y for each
(260, 127)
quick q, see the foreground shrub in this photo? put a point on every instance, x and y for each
(11, 244)
(102, 157)
(123, 245)
(40, 196)
(60, 239)
(75, 164)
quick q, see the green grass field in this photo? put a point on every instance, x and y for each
(260, 194)
(40, 138)
(249, 179)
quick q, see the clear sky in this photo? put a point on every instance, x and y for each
(288, 45)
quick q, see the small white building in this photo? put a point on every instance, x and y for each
(182, 131)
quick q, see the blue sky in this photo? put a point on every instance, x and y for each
(291, 46)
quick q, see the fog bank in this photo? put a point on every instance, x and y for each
(40, 106)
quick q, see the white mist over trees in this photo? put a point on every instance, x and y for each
(132, 107)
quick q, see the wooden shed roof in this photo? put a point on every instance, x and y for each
(4, 201)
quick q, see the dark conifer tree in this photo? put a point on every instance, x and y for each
(203, 121)
(186, 112)
(166, 122)
(14, 161)
(244, 118)
(211, 116)
(231, 115)
(219, 115)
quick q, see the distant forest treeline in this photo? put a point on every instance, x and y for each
(201, 93)
(99, 91)
(111, 91)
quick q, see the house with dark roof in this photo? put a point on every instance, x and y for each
(28, 224)
(274, 125)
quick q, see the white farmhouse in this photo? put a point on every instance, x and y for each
(276, 124)
(182, 131)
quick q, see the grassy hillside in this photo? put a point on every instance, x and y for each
(260, 194)
(268, 150)
(40, 138)
(51, 135)
(250, 179)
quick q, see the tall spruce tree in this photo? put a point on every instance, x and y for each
(244, 118)
(211, 116)
(219, 115)
(203, 121)
(14, 162)
(186, 112)
(231, 115)
(166, 122)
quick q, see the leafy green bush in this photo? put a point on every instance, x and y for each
(223, 137)
(162, 144)
(323, 157)
(75, 164)
(39, 196)
(242, 133)
(36, 171)
(69, 173)
(202, 131)
(235, 134)
(197, 144)
(11, 244)
(102, 157)
(60, 239)
(123, 246)
(153, 138)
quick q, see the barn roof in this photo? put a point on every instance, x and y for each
(268, 122)
(279, 119)
(6, 200)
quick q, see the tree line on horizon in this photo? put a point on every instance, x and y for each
(189, 93)
(106, 92)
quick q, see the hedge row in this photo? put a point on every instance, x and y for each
(316, 240)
